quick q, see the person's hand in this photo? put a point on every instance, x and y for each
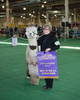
(48, 49)
(37, 37)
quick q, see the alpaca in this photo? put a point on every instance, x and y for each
(31, 55)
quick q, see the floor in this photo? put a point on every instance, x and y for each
(15, 86)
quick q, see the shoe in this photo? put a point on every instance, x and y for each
(28, 77)
(47, 89)
(45, 86)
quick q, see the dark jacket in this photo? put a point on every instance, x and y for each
(15, 29)
(11, 29)
(48, 41)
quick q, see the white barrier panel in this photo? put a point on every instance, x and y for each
(14, 41)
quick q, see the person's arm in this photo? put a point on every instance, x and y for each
(56, 44)
(40, 40)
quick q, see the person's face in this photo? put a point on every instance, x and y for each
(46, 30)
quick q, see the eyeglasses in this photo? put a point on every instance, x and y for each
(45, 29)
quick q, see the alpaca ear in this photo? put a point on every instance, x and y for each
(26, 33)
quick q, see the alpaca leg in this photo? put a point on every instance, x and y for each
(36, 80)
(31, 72)
(32, 79)
(27, 72)
(36, 70)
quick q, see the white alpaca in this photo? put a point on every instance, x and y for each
(31, 55)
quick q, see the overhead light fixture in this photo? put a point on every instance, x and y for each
(24, 8)
(45, 16)
(72, 13)
(42, 14)
(29, 14)
(2, 0)
(1, 16)
(33, 11)
(55, 11)
(42, 6)
(3, 6)
(45, 2)
(21, 16)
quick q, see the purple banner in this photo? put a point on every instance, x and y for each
(47, 64)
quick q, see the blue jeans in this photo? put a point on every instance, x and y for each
(7, 34)
(75, 34)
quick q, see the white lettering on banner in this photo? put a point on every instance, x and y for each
(57, 43)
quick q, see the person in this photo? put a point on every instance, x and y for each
(53, 30)
(48, 42)
(22, 32)
(7, 32)
(19, 32)
(15, 30)
(75, 28)
(11, 31)
(39, 29)
(58, 31)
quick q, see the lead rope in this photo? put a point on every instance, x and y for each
(37, 45)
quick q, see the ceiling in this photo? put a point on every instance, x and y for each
(33, 5)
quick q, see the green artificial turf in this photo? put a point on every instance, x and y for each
(15, 86)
